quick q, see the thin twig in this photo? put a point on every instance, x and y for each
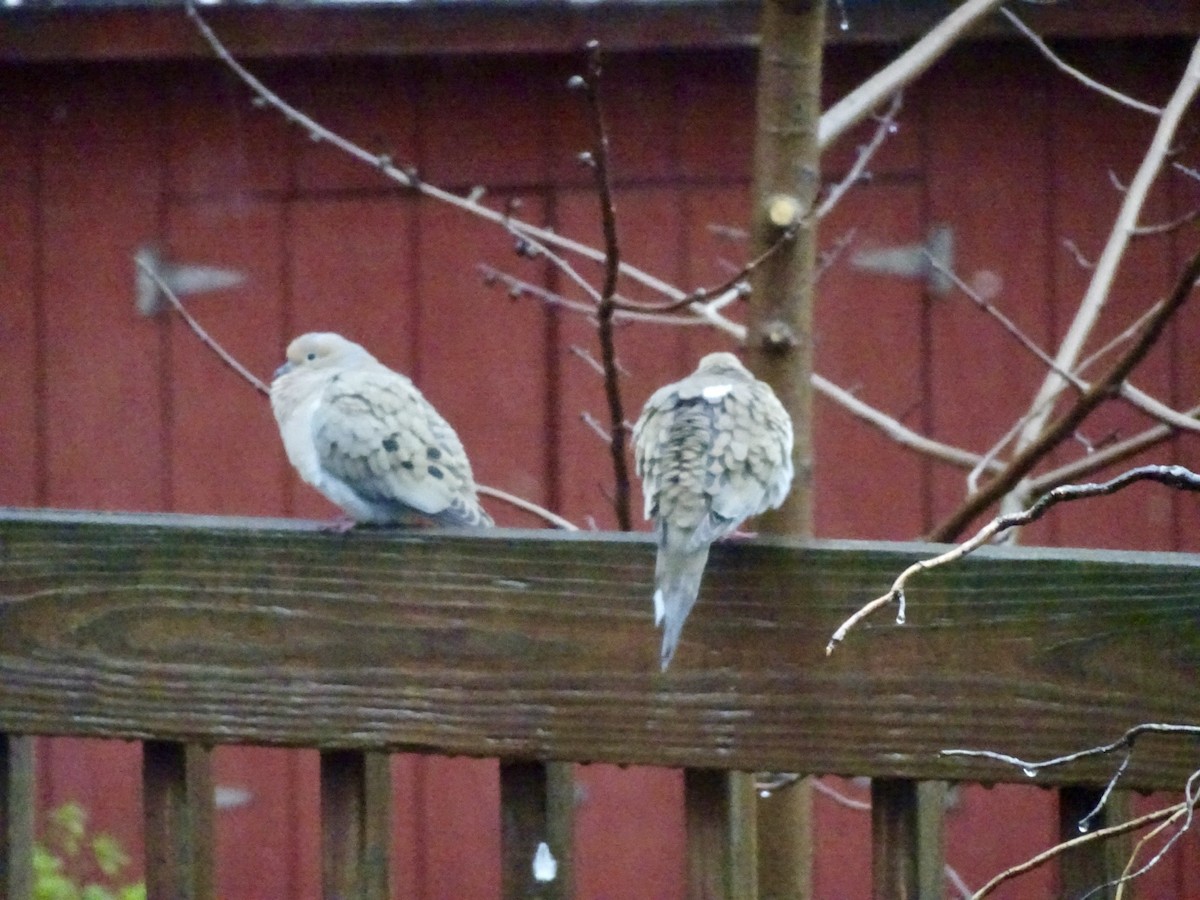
(1113, 453)
(1087, 80)
(887, 126)
(736, 283)
(1054, 852)
(520, 503)
(254, 381)
(1005, 322)
(1124, 742)
(384, 164)
(1173, 476)
(827, 258)
(1167, 227)
(608, 304)
(1030, 454)
(895, 429)
(863, 100)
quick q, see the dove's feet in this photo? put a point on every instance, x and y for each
(340, 525)
(739, 535)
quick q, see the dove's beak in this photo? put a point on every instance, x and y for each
(282, 370)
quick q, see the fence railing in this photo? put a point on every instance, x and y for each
(538, 648)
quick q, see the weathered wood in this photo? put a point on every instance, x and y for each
(722, 835)
(17, 803)
(894, 863)
(177, 792)
(542, 646)
(1085, 870)
(356, 825)
(931, 856)
(537, 802)
(785, 847)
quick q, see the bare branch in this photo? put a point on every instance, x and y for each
(1029, 455)
(1006, 323)
(407, 176)
(1114, 249)
(1124, 742)
(1054, 852)
(1113, 453)
(895, 429)
(1080, 259)
(863, 100)
(1173, 476)
(608, 304)
(826, 259)
(1157, 409)
(520, 503)
(226, 357)
(1090, 82)
(736, 284)
(1167, 227)
(887, 126)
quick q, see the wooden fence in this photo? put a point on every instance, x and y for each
(538, 648)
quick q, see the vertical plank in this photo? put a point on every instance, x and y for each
(1084, 870)
(537, 802)
(16, 816)
(177, 792)
(906, 825)
(785, 826)
(356, 804)
(722, 835)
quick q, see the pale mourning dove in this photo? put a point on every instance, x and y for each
(367, 439)
(712, 450)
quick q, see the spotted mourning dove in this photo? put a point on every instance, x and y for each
(367, 439)
(712, 450)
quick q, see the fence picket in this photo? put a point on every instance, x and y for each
(356, 798)
(1082, 869)
(722, 839)
(537, 804)
(177, 792)
(906, 838)
(16, 816)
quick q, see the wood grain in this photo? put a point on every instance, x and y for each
(532, 645)
(177, 792)
(356, 798)
(17, 806)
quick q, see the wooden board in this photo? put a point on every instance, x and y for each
(524, 645)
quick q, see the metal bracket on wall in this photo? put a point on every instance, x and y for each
(180, 278)
(914, 260)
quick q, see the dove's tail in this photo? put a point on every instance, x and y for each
(677, 577)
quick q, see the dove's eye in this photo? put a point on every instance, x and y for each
(311, 357)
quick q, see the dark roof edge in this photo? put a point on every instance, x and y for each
(33, 34)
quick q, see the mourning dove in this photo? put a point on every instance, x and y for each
(367, 439)
(712, 450)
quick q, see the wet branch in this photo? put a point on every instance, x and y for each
(1097, 393)
(598, 159)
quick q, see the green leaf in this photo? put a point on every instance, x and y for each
(69, 822)
(110, 858)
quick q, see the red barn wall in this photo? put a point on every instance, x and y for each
(104, 409)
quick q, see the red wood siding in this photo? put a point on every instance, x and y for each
(104, 409)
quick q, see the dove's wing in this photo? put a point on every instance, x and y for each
(712, 450)
(376, 433)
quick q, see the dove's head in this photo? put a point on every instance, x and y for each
(319, 350)
(725, 364)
